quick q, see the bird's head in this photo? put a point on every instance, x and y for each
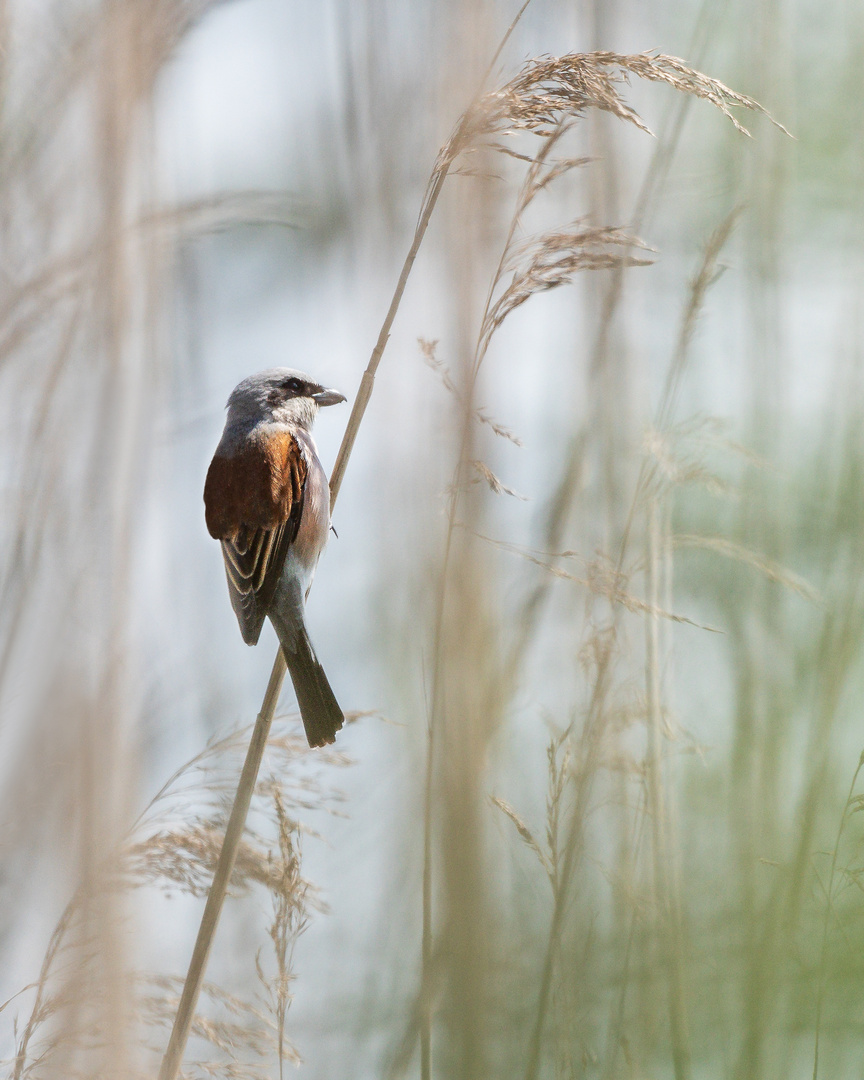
(279, 396)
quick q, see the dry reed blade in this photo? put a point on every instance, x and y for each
(666, 898)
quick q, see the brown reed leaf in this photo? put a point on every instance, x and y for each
(431, 359)
(602, 579)
(499, 429)
(428, 349)
(763, 565)
(216, 213)
(553, 259)
(522, 829)
(486, 474)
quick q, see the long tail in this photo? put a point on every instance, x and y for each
(322, 716)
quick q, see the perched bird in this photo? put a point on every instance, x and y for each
(267, 500)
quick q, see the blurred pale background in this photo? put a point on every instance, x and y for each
(192, 192)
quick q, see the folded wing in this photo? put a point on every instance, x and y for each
(253, 503)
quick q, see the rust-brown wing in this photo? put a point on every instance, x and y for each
(253, 504)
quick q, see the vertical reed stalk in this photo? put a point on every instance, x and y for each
(665, 900)
(829, 897)
(426, 945)
(573, 844)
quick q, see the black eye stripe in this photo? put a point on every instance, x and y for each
(293, 384)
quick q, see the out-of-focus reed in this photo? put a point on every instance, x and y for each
(657, 906)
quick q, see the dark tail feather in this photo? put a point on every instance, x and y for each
(320, 711)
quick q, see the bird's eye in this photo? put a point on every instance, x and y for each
(292, 384)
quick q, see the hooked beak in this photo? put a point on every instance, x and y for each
(328, 397)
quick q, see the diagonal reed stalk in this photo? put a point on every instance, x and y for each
(240, 808)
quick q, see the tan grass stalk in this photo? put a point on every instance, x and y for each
(572, 844)
(665, 897)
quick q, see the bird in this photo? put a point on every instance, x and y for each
(267, 500)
